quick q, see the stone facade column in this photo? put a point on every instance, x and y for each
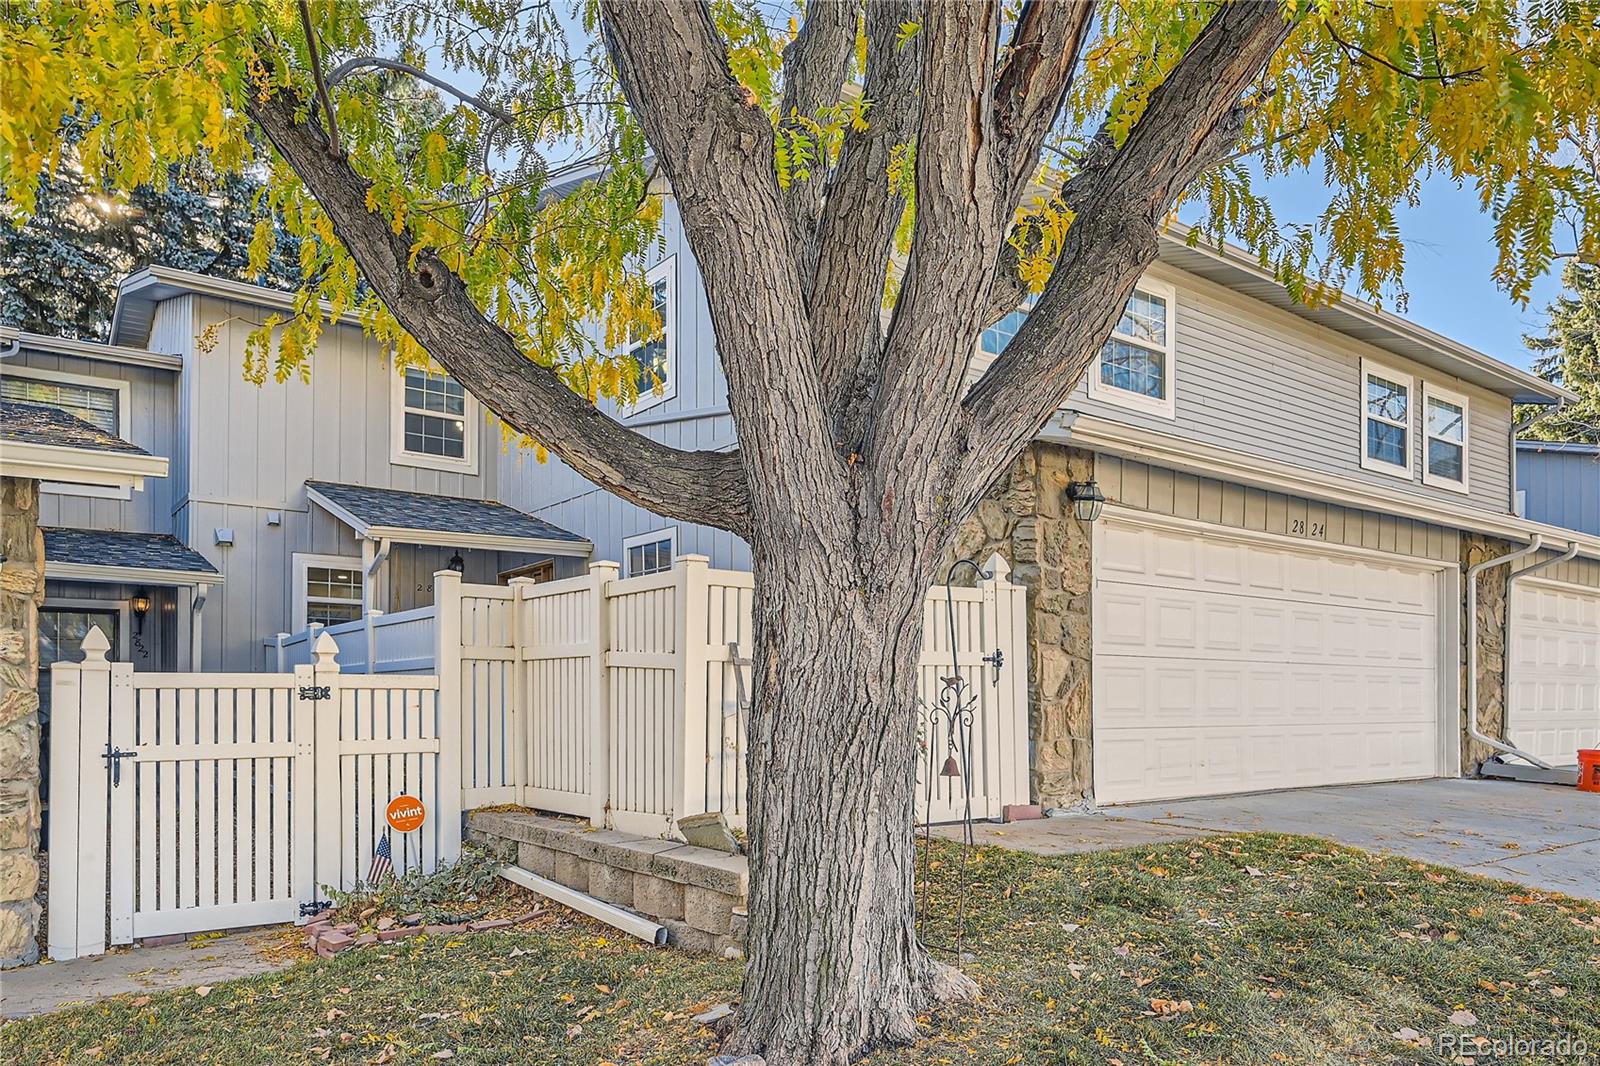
(1028, 521)
(1492, 615)
(21, 594)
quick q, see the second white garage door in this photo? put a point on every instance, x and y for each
(1555, 671)
(1224, 664)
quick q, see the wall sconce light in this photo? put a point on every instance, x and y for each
(140, 605)
(456, 563)
(1087, 500)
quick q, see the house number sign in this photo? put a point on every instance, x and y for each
(1315, 530)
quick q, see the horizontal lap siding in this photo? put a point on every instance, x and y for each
(1259, 381)
(1168, 492)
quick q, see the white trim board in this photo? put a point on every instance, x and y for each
(98, 573)
(1175, 453)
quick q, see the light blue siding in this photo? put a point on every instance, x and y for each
(1561, 483)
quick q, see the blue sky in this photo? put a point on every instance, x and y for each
(1450, 252)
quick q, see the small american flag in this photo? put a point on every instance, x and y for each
(382, 862)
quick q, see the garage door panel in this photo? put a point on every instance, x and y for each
(1210, 761)
(1224, 666)
(1554, 695)
(1189, 623)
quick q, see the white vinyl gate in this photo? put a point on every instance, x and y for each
(189, 802)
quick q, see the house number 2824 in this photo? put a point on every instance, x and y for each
(1301, 528)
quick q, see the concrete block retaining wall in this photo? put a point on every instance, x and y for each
(700, 895)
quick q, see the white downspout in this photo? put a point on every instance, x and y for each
(374, 561)
(197, 603)
(1472, 650)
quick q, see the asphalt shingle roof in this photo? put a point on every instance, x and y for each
(437, 514)
(143, 551)
(40, 423)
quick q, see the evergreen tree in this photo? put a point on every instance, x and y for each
(59, 270)
(1568, 353)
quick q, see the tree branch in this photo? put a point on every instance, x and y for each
(862, 210)
(1119, 198)
(432, 304)
(715, 144)
(316, 74)
(814, 67)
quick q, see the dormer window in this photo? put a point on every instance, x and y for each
(434, 422)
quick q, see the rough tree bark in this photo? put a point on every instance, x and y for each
(861, 450)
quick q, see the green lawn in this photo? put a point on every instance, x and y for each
(1242, 949)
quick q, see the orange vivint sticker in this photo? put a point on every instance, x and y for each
(405, 814)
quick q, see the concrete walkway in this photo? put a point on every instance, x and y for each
(50, 987)
(1545, 836)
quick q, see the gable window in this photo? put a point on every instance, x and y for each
(1135, 369)
(656, 354)
(327, 589)
(650, 553)
(434, 421)
(1385, 419)
(1445, 426)
(100, 402)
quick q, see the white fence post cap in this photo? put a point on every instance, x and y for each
(325, 649)
(95, 645)
(997, 566)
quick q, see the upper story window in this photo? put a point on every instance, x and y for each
(650, 553)
(1135, 368)
(100, 402)
(1385, 419)
(434, 422)
(657, 354)
(1445, 426)
(1136, 364)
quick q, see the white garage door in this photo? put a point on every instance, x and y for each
(1224, 665)
(1555, 671)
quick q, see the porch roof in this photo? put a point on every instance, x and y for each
(425, 518)
(47, 443)
(113, 555)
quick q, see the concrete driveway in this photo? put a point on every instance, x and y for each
(1545, 836)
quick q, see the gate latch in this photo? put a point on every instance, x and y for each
(113, 757)
(316, 906)
(316, 692)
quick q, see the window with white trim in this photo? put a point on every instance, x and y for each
(1135, 368)
(656, 353)
(1385, 419)
(327, 589)
(1444, 425)
(433, 421)
(649, 553)
(100, 402)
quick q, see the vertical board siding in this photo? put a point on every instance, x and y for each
(1128, 482)
(1561, 484)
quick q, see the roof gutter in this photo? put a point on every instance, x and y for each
(1472, 648)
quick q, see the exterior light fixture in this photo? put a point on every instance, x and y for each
(1087, 500)
(456, 563)
(140, 605)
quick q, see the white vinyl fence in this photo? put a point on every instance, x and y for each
(189, 802)
(618, 700)
(184, 802)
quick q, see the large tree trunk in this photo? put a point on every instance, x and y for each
(835, 967)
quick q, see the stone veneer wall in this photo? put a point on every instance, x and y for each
(701, 896)
(21, 594)
(1491, 646)
(1028, 521)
